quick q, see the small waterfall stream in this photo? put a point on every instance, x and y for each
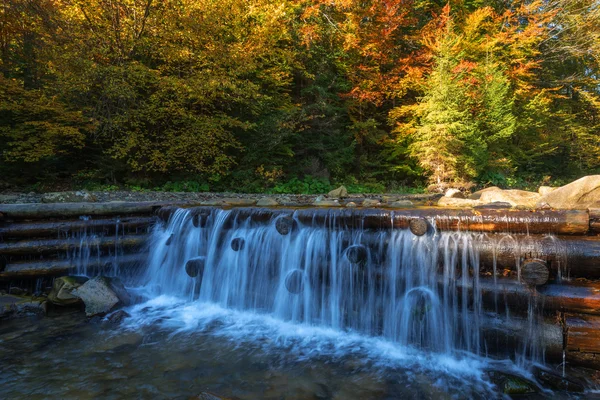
(417, 291)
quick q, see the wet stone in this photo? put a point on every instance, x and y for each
(118, 316)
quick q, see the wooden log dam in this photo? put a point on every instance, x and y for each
(548, 258)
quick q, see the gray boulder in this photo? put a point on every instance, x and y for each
(582, 194)
(516, 198)
(338, 193)
(371, 203)
(267, 202)
(80, 196)
(237, 202)
(62, 288)
(401, 204)
(101, 295)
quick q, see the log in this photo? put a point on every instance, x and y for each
(564, 222)
(66, 210)
(582, 340)
(238, 244)
(31, 247)
(294, 281)
(576, 298)
(58, 267)
(195, 267)
(418, 226)
(53, 228)
(573, 256)
(535, 272)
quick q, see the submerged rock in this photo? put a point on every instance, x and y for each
(338, 193)
(209, 396)
(62, 288)
(512, 384)
(21, 305)
(118, 316)
(68, 197)
(557, 382)
(581, 194)
(101, 295)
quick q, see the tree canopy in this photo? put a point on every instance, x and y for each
(250, 95)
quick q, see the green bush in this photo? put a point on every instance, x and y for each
(308, 185)
(185, 186)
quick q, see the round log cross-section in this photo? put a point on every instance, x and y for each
(195, 266)
(535, 272)
(200, 217)
(238, 244)
(294, 281)
(418, 226)
(357, 254)
(284, 225)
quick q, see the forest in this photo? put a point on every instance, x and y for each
(297, 95)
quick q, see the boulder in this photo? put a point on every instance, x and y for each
(454, 193)
(8, 198)
(351, 204)
(582, 194)
(401, 204)
(80, 196)
(544, 190)
(61, 290)
(513, 197)
(457, 203)
(118, 316)
(497, 205)
(21, 305)
(326, 203)
(371, 203)
(267, 202)
(338, 193)
(212, 202)
(237, 202)
(477, 195)
(101, 295)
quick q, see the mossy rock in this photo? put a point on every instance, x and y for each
(61, 290)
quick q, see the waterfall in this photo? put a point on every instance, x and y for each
(418, 291)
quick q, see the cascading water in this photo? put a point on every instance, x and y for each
(390, 284)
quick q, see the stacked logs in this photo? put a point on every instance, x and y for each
(41, 239)
(543, 265)
(35, 239)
